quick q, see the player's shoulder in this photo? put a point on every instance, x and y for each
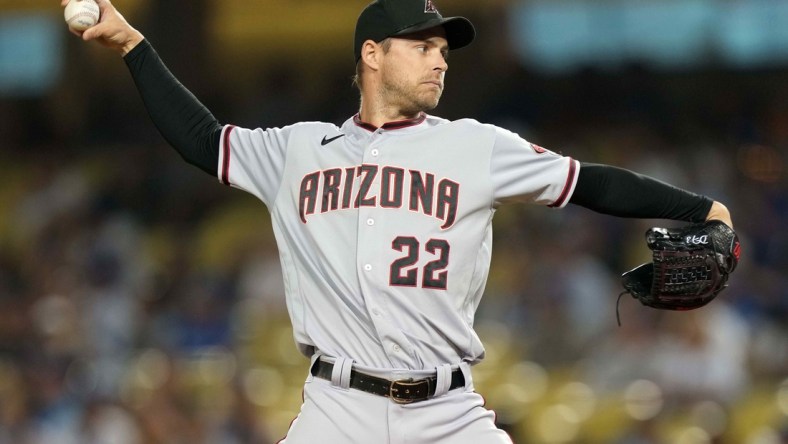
(472, 126)
(464, 123)
(304, 128)
(311, 126)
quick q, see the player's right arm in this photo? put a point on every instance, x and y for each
(112, 30)
(184, 122)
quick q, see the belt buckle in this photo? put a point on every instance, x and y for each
(402, 387)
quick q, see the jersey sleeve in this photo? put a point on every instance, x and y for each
(524, 172)
(253, 159)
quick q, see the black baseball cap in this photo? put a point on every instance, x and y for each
(382, 19)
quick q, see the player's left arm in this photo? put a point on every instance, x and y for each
(620, 192)
(720, 212)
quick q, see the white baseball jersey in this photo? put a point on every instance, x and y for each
(385, 234)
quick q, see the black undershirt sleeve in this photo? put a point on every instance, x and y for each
(184, 122)
(619, 192)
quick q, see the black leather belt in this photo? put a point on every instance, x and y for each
(401, 391)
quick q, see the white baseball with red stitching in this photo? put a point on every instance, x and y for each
(81, 14)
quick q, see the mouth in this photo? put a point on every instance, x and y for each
(436, 83)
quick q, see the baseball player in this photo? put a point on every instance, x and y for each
(383, 223)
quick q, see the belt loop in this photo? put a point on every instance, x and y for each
(443, 372)
(466, 373)
(340, 375)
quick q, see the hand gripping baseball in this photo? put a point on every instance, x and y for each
(690, 266)
(112, 30)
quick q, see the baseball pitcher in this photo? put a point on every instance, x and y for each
(383, 224)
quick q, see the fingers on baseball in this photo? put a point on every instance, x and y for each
(92, 32)
(104, 6)
(96, 30)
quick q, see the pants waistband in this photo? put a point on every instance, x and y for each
(401, 391)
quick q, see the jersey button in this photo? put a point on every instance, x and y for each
(374, 152)
(370, 222)
(368, 267)
(396, 348)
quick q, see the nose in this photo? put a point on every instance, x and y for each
(441, 65)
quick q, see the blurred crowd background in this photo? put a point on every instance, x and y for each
(141, 301)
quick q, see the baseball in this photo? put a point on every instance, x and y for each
(81, 14)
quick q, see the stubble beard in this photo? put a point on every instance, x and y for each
(408, 99)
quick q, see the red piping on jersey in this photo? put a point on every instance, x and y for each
(226, 150)
(390, 125)
(567, 186)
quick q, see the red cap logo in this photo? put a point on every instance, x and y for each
(430, 7)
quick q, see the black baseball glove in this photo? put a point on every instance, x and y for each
(690, 266)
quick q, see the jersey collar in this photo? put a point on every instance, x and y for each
(399, 124)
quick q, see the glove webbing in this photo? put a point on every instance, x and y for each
(685, 274)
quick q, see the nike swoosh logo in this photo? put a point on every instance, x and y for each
(326, 141)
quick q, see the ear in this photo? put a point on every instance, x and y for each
(370, 54)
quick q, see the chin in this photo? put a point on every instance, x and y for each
(421, 103)
(429, 105)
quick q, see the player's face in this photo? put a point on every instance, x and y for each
(413, 70)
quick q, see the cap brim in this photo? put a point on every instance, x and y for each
(459, 30)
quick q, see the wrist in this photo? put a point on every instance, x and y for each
(135, 39)
(719, 212)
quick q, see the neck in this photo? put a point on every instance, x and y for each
(376, 110)
(379, 116)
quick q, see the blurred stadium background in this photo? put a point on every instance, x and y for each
(141, 302)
